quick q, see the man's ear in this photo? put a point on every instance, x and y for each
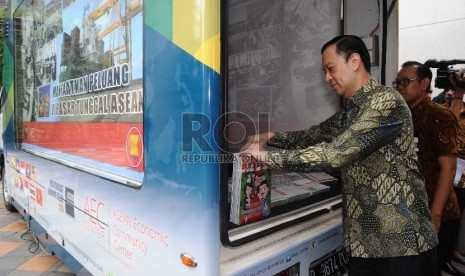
(354, 61)
(425, 83)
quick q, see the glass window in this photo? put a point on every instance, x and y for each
(79, 87)
(275, 82)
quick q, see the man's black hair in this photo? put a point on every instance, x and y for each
(423, 71)
(347, 45)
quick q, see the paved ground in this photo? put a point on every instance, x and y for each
(15, 246)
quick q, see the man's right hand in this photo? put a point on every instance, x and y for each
(458, 83)
(260, 139)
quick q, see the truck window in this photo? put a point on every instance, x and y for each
(275, 83)
(80, 102)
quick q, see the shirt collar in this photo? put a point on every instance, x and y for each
(359, 97)
(424, 103)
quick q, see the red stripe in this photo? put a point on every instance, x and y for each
(105, 142)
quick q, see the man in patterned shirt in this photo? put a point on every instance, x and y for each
(436, 129)
(388, 229)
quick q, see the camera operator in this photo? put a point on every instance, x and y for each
(445, 75)
(456, 93)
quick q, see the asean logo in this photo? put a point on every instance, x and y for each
(134, 147)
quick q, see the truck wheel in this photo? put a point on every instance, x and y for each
(6, 194)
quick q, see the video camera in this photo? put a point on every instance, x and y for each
(444, 71)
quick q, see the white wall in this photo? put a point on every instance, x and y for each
(431, 29)
(361, 18)
(362, 26)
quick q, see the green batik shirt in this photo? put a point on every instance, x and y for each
(385, 206)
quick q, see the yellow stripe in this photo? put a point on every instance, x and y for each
(196, 29)
(209, 53)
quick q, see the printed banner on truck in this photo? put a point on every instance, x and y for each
(79, 81)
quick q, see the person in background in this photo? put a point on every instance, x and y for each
(441, 97)
(388, 229)
(436, 129)
(454, 101)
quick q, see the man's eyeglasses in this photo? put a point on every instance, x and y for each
(403, 82)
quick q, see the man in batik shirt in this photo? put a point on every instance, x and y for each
(435, 128)
(387, 225)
